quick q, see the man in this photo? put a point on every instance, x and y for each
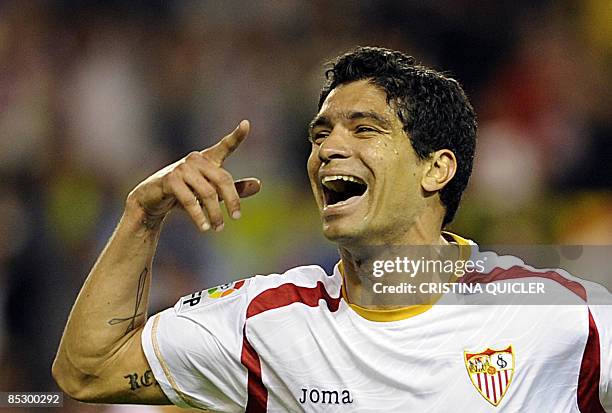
(392, 150)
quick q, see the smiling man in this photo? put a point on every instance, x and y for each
(392, 150)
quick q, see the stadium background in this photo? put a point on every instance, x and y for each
(97, 95)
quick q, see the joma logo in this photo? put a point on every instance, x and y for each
(325, 396)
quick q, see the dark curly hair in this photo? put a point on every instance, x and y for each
(433, 108)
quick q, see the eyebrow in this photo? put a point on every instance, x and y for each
(381, 120)
(319, 121)
(325, 121)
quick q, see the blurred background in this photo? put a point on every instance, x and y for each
(97, 95)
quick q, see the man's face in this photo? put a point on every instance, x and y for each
(364, 173)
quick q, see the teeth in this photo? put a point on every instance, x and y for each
(342, 178)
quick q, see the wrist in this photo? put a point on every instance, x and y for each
(139, 218)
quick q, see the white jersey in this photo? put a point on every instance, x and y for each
(290, 343)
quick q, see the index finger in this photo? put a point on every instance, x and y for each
(224, 148)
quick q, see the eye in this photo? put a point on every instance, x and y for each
(318, 137)
(365, 129)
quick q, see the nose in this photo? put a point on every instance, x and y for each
(335, 146)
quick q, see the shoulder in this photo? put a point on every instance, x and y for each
(496, 268)
(499, 268)
(295, 283)
(306, 285)
(302, 276)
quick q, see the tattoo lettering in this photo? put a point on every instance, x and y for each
(133, 381)
(144, 380)
(139, 294)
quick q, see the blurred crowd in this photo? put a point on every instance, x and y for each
(97, 95)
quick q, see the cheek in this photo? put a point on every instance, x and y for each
(382, 151)
(312, 166)
(381, 157)
(313, 163)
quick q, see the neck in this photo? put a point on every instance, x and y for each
(364, 266)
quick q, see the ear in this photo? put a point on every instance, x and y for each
(442, 166)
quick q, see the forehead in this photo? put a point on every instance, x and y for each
(358, 96)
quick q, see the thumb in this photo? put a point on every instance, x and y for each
(247, 187)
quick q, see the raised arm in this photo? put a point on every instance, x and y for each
(100, 358)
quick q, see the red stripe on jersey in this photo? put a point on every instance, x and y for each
(286, 294)
(588, 380)
(479, 384)
(271, 299)
(499, 383)
(494, 385)
(258, 395)
(512, 273)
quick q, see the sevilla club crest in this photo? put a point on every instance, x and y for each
(491, 372)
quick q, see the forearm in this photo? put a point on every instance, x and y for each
(100, 355)
(112, 304)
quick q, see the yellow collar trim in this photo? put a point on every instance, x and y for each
(449, 236)
(465, 248)
(402, 313)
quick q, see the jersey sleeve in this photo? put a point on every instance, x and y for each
(601, 312)
(194, 349)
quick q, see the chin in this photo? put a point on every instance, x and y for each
(343, 232)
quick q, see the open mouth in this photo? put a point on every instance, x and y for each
(340, 189)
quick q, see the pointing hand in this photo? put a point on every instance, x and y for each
(198, 183)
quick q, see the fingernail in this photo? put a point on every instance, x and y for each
(219, 227)
(236, 214)
(205, 226)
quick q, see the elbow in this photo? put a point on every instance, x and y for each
(62, 379)
(74, 383)
(65, 380)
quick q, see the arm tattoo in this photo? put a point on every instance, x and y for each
(139, 294)
(144, 380)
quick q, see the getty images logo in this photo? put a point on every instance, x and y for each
(317, 396)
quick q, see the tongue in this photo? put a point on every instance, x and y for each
(342, 197)
(354, 197)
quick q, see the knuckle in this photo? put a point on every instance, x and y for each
(169, 180)
(181, 168)
(208, 192)
(191, 202)
(214, 213)
(206, 155)
(194, 155)
(196, 215)
(233, 203)
(191, 205)
(225, 177)
(216, 218)
(211, 159)
(177, 171)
